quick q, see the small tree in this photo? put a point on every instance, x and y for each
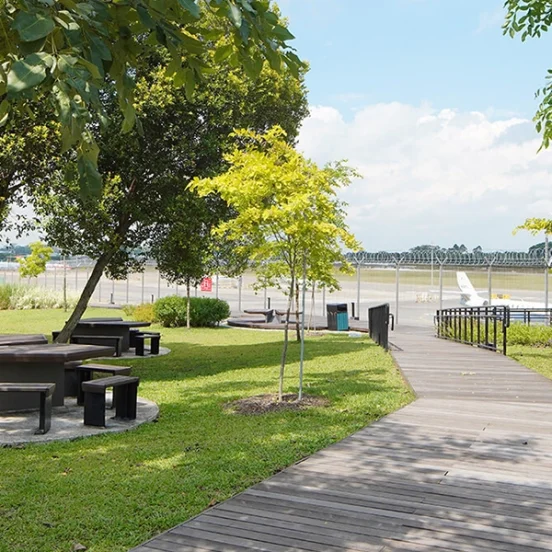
(287, 210)
(35, 264)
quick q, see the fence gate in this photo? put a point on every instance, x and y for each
(378, 324)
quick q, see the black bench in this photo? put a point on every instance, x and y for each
(85, 372)
(110, 340)
(268, 313)
(46, 391)
(281, 316)
(125, 394)
(139, 339)
(132, 333)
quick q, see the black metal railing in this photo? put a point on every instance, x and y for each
(378, 324)
(484, 327)
(531, 316)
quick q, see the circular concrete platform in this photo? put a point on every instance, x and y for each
(17, 428)
(130, 355)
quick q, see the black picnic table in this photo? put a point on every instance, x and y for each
(41, 364)
(102, 326)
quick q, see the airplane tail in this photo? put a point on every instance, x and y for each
(469, 296)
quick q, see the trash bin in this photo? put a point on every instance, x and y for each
(338, 317)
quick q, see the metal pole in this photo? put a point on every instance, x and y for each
(303, 301)
(100, 289)
(240, 283)
(323, 300)
(547, 259)
(397, 277)
(264, 298)
(431, 266)
(76, 279)
(490, 283)
(143, 285)
(65, 282)
(195, 288)
(158, 284)
(112, 291)
(216, 285)
(127, 287)
(441, 286)
(358, 292)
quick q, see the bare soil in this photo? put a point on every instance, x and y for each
(261, 404)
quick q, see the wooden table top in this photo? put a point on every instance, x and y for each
(99, 323)
(52, 353)
(22, 339)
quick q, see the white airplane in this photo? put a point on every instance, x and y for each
(471, 298)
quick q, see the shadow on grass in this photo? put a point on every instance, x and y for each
(188, 360)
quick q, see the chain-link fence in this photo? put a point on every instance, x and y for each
(415, 285)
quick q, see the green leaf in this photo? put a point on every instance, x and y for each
(223, 52)
(92, 69)
(190, 6)
(32, 26)
(130, 118)
(90, 180)
(234, 14)
(25, 74)
(145, 17)
(282, 33)
(190, 84)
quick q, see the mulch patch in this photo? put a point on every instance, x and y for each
(261, 404)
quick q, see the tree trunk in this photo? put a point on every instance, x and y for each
(87, 292)
(286, 340)
(188, 304)
(297, 323)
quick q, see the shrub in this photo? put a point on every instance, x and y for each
(21, 297)
(144, 313)
(538, 335)
(204, 311)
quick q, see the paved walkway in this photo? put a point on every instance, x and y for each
(467, 467)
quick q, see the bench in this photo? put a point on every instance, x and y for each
(139, 339)
(110, 340)
(125, 395)
(46, 391)
(268, 313)
(281, 316)
(85, 372)
(132, 333)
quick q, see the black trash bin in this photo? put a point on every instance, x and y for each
(338, 317)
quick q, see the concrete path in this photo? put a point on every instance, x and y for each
(467, 467)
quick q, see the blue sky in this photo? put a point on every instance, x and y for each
(434, 105)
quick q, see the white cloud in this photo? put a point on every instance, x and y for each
(440, 176)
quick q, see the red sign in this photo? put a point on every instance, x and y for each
(206, 284)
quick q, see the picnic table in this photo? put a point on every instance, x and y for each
(111, 327)
(41, 364)
(22, 339)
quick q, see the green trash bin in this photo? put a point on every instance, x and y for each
(342, 322)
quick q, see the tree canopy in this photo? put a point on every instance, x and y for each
(147, 172)
(529, 19)
(286, 209)
(63, 52)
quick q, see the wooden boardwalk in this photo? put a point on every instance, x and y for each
(467, 467)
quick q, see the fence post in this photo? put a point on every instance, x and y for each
(490, 283)
(240, 283)
(358, 293)
(397, 279)
(547, 262)
(440, 286)
(158, 284)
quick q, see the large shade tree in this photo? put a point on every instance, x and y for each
(63, 52)
(530, 19)
(181, 137)
(287, 210)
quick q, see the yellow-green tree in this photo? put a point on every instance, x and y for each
(536, 225)
(287, 213)
(35, 264)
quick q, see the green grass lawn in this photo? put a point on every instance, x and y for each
(536, 358)
(112, 492)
